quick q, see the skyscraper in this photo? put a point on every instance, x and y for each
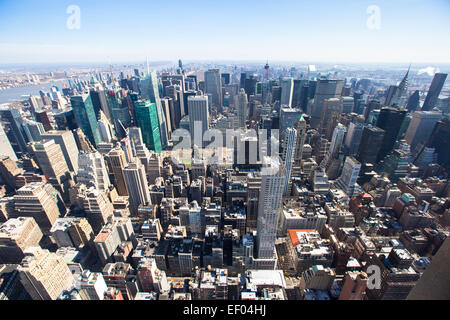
(13, 126)
(52, 163)
(116, 162)
(420, 128)
(149, 90)
(288, 158)
(270, 195)
(325, 89)
(242, 104)
(287, 90)
(389, 120)
(300, 127)
(434, 91)
(147, 120)
(350, 172)
(198, 116)
(92, 171)
(213, 86)
(137, 185)
(44, 274)
(85, 117)
(370, 144)
(68, 146)
(37, 200)
(5, 146)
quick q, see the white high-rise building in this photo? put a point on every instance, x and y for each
(287, 91)
(350, 172)
(137, 185)
(288, 158)
(92, 171)
(335, 145)
(269, 207)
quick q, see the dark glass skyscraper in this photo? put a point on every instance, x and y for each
(390, 120)
(369, 147)
(434, 91)
(84, 113)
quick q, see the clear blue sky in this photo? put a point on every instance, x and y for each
(282, 30)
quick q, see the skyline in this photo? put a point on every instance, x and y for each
(283, 31)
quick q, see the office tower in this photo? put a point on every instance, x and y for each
(288, 158)
(198, 117)
(116, 162)
(288, 116)
(347, 104)
(420, 128)
(325, 89)
(100, 103)
(167, 114)
(250, 84)
(52, 163)
(72, 232)
(34, 130)
(39, 201)
(300, 127)
(242, 104)
(268, 210)
(6, 150)
(137, 185)
(353, 137)
(149, 90)
(350, 172)
(440, 141)
(225, 78)
(213, 86)
(369, 147)
(147, 120)
(332, 109)
(68, 146)
(92, 171)
(13, 126)
(389, 120)
(287, 90)
(85, 117)
(16, 235)
(9, 172)
(44, 274)
(335, 145)
(97, 206)
(433, 284)
(434, 91)
(372, 105)
(413, 101)
(42, 117)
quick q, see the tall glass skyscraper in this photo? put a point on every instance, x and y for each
(149, 90)
(85, 117)
(147, 120)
